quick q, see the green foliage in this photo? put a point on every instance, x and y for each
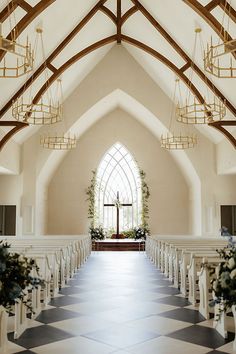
(15, 276)
(91, 193)
(223, 283)
(145, 197)
(128, 233)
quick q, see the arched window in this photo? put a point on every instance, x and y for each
(118, 172)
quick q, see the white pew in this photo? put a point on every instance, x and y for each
(194, 267)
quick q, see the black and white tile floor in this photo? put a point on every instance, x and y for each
(120, 303)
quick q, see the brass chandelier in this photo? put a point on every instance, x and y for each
(195, 112)
(182, 140)
(58, 142)
(219, 59)
(48, 110)
(19, 58)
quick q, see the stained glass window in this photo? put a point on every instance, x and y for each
(118, 172)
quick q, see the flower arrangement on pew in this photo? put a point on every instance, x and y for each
(15, 277)
(223, 283)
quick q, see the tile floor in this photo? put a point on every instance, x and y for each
(120, 303)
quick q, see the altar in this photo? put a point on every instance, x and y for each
(127, 244)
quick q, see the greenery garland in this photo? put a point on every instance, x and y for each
(91, 193)
(145, 196)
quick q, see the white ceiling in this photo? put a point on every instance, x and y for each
(178, 19)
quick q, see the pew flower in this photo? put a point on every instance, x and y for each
(223, 283)
(15, 276)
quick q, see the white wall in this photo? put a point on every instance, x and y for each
(169, 201)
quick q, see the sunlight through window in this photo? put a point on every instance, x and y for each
(118, 172)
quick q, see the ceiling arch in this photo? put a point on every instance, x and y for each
(118, 19)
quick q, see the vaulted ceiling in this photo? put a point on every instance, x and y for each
(78, 34)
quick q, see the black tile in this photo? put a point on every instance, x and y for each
(183, 314)
(72, 290)
(174, 301)
(162, 282)
(166, 290)
(25, 352)
(37, 336)
(64, 301)
(54, 315)
(200, 335)
(216, 352)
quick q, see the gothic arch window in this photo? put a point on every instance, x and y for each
(118, 172)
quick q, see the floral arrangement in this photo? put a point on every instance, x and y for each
(140, 233)
(223, 283)
(15, 276)
(97, 233)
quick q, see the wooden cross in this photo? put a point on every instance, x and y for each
(117, 204)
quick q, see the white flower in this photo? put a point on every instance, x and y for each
(215, 284)
(21, 258)
(233, 274)
(231, 263)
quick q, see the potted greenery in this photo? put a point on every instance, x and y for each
(15, 277)
(223, 284)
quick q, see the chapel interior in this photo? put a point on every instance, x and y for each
(118, 174)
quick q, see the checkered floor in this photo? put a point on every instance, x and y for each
(119, 303)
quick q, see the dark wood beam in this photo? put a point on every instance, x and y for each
(17, 127)
(182, 53)
(128, 14)
(51, 67)
(7, 11)
(185, 67)
(230, 11)
(25, 6)
(212, 5)
(119, 23)
(51, 57)
(220, 127)
(109, 13)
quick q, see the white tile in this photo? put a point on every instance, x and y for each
(13, 348)
(159, 324)
(74, 346)
(121, 352)
(82, 325)
(165, 345)
(227, 348)
(90, 307)
(134, 312)
(207, 323)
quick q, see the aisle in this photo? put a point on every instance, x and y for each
(119, 303)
